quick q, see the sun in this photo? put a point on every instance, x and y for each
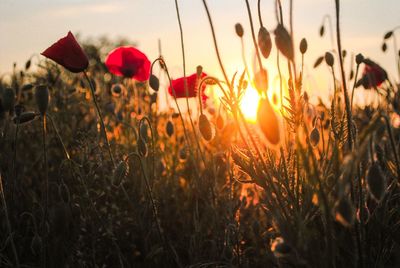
(249, 104)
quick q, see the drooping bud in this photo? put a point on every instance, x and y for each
(314, 137)
(42, 98)
(154, 82)
(64, 193)
(376, 181)
(283, 42)
(321, 30)
(205, 127)
(303, 46)
(169, 128)
(142, 147)
(264, 42)
(120, 173)
(28, 64)
(329, 59)
(144, 132)
(8, 99)
(239, 29)
(116, 90)
(344, 212)
(268, 122)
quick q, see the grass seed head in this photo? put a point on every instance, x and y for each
(42, 98)
(205, 127)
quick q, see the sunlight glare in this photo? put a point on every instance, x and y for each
(249, 104)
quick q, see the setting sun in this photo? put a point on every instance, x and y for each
(249, 104)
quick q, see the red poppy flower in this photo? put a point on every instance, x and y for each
(68, 53)
(373, 75)
(192, 85)
(128, 62)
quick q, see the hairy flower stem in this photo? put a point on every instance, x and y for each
(346, 96)
(259, 13)
(100, 117)
(46, 188)
(10, 233)
(354, 87)
(186, 86)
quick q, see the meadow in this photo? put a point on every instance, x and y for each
(93, 173)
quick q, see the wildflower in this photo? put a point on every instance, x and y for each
(268, 122)
(68, 53)
(128, 62)
(178, 85)
(373, 75)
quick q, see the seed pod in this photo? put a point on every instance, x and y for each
(143, 132)
(205, 127)
(264, 42)
(239, 29)
(321, 30)
(220, 122)
(120, 173)
(359, 58)
(36, 244)
(329, 59)
(388, 35)
(154, 82)
(283, 42)
(24, 118)
(280, 248)
(170, 128)
(268, 122)
(344, 212)
(142, 147)
(303, 46)
(42, 98)
(27, 64)
(384, 47)
(8, 99)
(314, 137)
(376, 181)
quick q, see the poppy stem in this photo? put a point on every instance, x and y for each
(100, 117)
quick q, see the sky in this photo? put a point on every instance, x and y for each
(30, 26)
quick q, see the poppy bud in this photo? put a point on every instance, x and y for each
(261, 81)
(344, 212)
(42, 98)
(220, 122)
(205, 127)
(24, 118)
(283, 42)
(19, 109)
(318, 61)
(264, 42)
(144, 132)
(351, 76)
(27, 64)
(63, 192)
(116, 90)
(303, 46)
(344, 53)
(359, 58)
(329, 59)
(36, 244)
(153, 97)
(169, 128)
(268, 121)
(8, 99)
(142, 147)
(314, 137)
(388, 35)
(321, 30)
(376, 181)
(239, 29)
(154, 82)
(280, 248)
(199, 70)
(120, 172)
(384, 47)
